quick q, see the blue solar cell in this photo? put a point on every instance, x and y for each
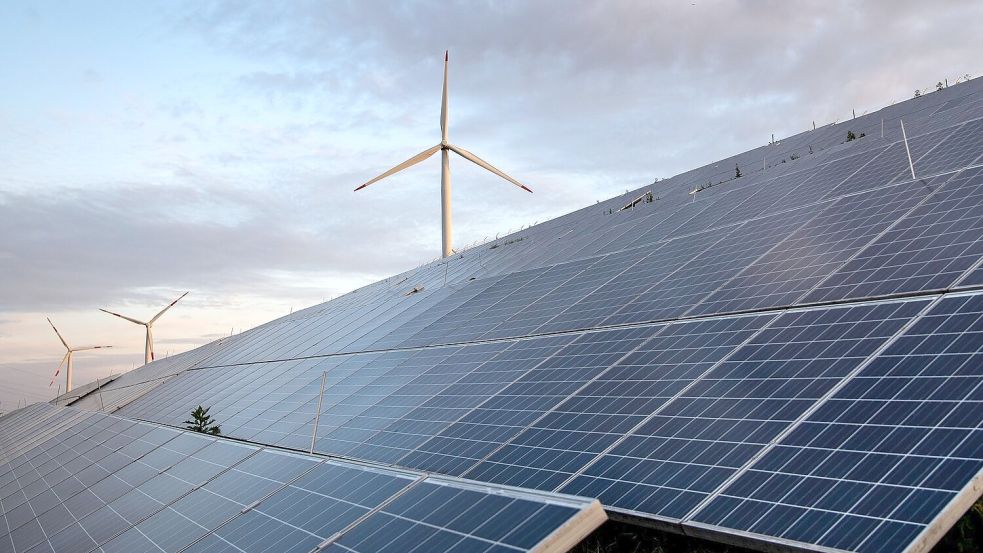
(680, 454)
(541, 311)
(927, 250)
(455, 325)
(678, 292)
(626, 287)
(880, 169)
(251, 500)
(466, 520)
(560, 372)
(571, 435)
(962, 148)
(880, 459)
(821, 246)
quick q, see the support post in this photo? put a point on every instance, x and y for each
(882, 127)
(317, 414)
(445, 202)
(911, 164)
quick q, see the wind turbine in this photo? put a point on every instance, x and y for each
(445, 169)
(67, 359)
(148, 349)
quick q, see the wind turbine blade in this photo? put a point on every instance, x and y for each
(408, 163)
(443, 104)
(485, 165)
(58, 370)
(58, 333)
(170, 305)
(124, 317)
(86, 348)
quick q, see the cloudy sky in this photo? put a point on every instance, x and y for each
(149, 148)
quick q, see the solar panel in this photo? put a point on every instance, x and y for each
(536, 313)
(883, 458)
(459, 429)
(534, 393)
(189, 492)
(927, 250)
(465, 519)
(815, 250)
(678, 292)
(962, 148)
(623, 289)
(568, 437)
(683, 451)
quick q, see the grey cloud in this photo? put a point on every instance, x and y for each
(598, 84)
(73, 248)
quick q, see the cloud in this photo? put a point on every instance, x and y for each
(74, 248)
(597, 85)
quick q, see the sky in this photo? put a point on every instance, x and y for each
(152, 148)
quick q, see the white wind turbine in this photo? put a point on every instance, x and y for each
(445, 169)
(148, 348)
(67, 359)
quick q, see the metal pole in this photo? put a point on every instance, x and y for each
(882, 127)
(445, 202)
(317, 415)
(102, 406)
(911, 164)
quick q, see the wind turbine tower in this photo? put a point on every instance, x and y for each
(67, 359)
(148, 348)
(445, 170)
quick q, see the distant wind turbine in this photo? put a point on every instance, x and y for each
(445, 169)
(67, 359)
(148, 349)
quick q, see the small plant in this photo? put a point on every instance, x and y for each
(939, 86)
(794, 157)
(850, 136)
(863, 134)
(737, 171)
(917, 93)
(202, 422)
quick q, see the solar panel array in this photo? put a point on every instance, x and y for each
(787, 359)
(85, 481)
